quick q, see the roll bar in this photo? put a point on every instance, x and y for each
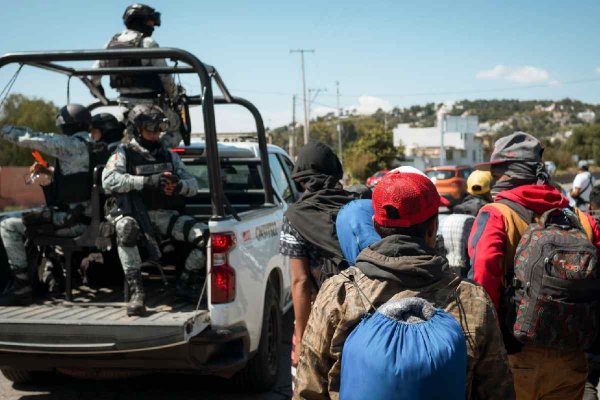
(48, 60)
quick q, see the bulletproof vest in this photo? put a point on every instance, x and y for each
(75, 188)
(151, 82)
(138, 165)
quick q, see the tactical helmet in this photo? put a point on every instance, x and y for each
(148, 117)
(136, 16)
(111, 128)
(73, 118)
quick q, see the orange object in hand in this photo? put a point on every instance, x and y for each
(38, 157)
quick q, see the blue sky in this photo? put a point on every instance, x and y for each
(383, 53)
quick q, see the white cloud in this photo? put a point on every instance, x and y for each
(369, 104)
(525, 74)
(597, 70)
(554, 83)
(495, 73)
(528, 74)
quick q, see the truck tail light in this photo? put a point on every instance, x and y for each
(222, 275)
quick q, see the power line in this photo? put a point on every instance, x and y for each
(458, 92)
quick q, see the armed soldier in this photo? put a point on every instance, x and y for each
(67, 196)
(149, 89)
(149, 183)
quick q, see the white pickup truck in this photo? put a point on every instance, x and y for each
(235, 327)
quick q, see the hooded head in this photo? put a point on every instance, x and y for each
(516, 161)
(317, 167)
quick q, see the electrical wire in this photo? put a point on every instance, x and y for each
(6, 90)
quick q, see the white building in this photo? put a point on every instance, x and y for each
(422, 146)
(587, 116)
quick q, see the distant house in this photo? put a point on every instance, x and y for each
(587, 116)
(422, 146)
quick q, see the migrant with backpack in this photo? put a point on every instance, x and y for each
(538, 260)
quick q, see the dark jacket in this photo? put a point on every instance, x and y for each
(470, 205)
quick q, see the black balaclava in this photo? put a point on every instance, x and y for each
(519, 173)
(317, 167)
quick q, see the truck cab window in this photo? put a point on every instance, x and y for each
(280, 180)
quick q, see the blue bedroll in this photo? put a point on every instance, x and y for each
(387, 358)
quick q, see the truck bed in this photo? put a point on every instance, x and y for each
(96, 322)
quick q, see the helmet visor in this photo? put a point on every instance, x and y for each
(156, 125)
(156, 18)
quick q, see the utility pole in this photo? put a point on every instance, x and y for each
(312, 98)
(305, 99)
(292, 143)
(339, 125)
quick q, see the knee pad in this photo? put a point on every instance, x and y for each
(128, 232)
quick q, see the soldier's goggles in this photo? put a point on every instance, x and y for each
(156, 126)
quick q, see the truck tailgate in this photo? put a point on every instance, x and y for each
(100, 327)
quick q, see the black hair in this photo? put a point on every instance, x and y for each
(584, 168)
(595, 198)
(418, 230)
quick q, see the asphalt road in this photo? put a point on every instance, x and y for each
(162, 386)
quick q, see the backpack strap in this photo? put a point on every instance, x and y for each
(585, 223)
(526, 214)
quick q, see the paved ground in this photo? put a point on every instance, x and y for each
(172, 387)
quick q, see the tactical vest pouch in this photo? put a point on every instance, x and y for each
(556, 284)
(151, 82)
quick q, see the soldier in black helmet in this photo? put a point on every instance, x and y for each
(67, 196)
(106, 128)
(146, 169)
(151, 89)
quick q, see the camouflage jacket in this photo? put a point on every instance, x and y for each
(382, 274)
(70, 150)
(115, 178)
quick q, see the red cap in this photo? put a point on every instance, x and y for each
(403, 199)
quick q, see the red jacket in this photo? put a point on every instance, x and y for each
(487, 241)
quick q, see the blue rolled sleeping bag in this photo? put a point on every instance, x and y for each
(406, 350)
(354, 227)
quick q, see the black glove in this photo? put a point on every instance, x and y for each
(171, 179)
(152, 181)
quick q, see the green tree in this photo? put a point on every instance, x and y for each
(585, 142)
(20, 110)
(373, 149)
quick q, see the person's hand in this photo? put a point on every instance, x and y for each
(170, 183)
(38, 168)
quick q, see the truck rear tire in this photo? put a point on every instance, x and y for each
(18, 375)
(260, 374)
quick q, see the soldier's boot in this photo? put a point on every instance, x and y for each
(136, 306)
(23, 294)
(189, 285)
